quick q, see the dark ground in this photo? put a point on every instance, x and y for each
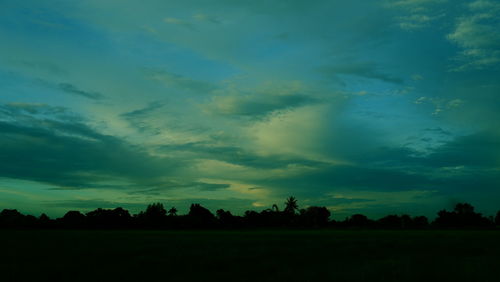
(60, 255)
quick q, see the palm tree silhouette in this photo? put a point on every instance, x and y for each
(172, 211)
(291, 205)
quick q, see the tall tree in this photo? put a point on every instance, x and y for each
(172, 211)
(291, 205)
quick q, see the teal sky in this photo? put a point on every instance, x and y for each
(370, 107)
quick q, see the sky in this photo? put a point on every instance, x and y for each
(374, 107)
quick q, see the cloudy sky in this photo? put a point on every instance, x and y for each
(374, 107)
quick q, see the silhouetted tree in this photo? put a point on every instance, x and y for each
(73, 219)
(464, 209)
(43, 218)
(228, 220)
(462, 216)
(420, 222)
(156, 210)
(359, 220)
(172, 211)
(106, 218)
(155, 216)
(390, 222)
(200, 217)
(314, 217)
(10, 218)
(251, 219)
(274, 218)
(291, 205)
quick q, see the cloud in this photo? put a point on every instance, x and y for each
(176, 21)
(438, 130)
(206, 18)
(440, 104)
(478, 35)
(138, 119)
(256, 106)
(13, 109)
(451, 167)
(365, 70)
(348, 177)
(235, 101)
(91, 204)
(182, 82)
(72, 89)
(151, 107)
(478, 150)
(36, 145)
(43, 66)
(417, 21)
(235, 155)
(417, 14)
(413, 3)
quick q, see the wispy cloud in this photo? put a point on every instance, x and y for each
(365, 70)
(206, 18)
(72, 89)
(440, 104)
(182, 82)
(179, 22)
(417, 14)
(478, 35)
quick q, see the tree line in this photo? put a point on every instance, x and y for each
(156, 216)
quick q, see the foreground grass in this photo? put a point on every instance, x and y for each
(249, 256)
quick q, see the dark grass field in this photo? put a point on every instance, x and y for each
(60, 255)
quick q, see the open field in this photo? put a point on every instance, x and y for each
(60, 255)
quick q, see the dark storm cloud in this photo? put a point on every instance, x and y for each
(350, 177)
(460, 165)
(69, 153)
(480, 150)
